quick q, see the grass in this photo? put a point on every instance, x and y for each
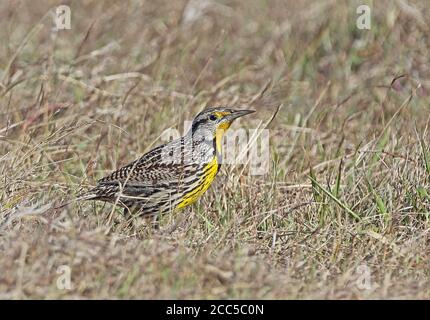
(348, 185)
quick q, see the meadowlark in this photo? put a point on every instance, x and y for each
(171, 176)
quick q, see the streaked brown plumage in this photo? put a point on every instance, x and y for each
(172, 175)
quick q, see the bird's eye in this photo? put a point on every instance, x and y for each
(212, 117)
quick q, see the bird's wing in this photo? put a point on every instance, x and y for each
(150, 171)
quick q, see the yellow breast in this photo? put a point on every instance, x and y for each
(205, 181)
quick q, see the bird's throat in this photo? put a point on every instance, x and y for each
(222, 128)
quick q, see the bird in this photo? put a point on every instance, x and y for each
(171, 176)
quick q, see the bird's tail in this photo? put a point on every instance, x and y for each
(88, 195)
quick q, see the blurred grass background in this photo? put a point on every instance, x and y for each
(348, 184)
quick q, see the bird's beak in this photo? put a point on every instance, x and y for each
(238, 113)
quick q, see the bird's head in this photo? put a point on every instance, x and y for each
(212, 123)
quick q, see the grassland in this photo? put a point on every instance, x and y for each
(343, 212)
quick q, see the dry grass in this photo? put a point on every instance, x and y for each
(349, 141)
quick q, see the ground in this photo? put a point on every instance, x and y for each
(343, 211)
